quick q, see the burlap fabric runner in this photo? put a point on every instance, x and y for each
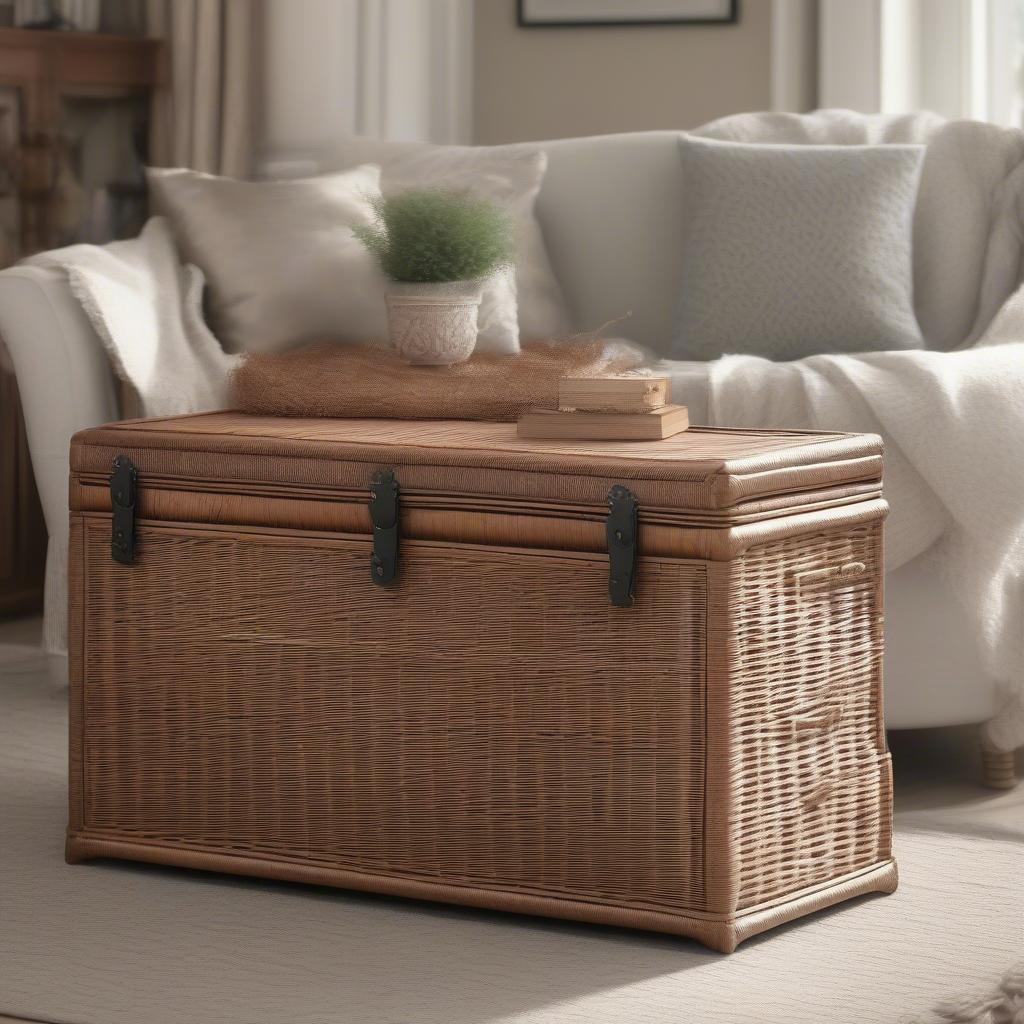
(358, 382)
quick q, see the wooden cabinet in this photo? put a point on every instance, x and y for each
(22, 531)
(54, 88)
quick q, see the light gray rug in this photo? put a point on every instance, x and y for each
(114, 943)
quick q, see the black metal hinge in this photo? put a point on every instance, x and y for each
(621, 529)
(384, 514)
(123, 482)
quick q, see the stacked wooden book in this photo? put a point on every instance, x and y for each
(608, 409)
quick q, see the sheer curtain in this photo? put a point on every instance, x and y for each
(393, 69)
(960, 58)
(204, 118)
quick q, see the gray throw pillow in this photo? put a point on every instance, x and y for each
(796, 250)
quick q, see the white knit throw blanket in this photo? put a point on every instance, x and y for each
(954, 468)
(146, 308)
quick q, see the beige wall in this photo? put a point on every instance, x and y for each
(545, 83)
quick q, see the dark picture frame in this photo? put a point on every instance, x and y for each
(527, 20)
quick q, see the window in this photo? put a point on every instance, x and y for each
(960, 58)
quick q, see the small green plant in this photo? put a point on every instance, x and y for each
(436, 235)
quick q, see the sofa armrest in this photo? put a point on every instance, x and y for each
(66, 384)
(64, 377)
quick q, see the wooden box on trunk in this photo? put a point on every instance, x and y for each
(630, 683)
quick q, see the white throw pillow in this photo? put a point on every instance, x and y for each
(791, 251)
(280, 258)
(510, 175)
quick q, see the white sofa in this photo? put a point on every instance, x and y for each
(611, 210)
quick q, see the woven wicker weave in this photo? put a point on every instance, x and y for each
(491, 730)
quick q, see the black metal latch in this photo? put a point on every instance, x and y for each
(621, 529)
(384, 513)
(123, 482)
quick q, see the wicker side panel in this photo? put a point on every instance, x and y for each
(77, 571)
(810, 778)
(491, 721)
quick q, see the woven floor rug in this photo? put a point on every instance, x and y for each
(113, 943)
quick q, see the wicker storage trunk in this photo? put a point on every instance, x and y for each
(434, 660)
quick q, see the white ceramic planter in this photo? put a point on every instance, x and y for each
(434, 324)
